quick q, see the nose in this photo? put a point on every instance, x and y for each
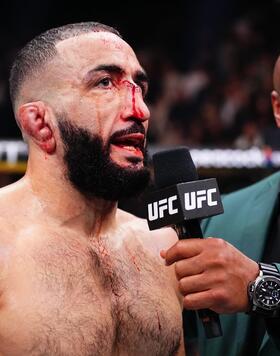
(133, 106)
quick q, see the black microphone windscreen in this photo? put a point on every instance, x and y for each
(173, 166)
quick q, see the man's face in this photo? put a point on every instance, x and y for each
(101, 87)
(101, 91)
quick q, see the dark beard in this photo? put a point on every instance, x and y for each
(91, 170)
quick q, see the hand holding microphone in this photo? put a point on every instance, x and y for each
(212, 274)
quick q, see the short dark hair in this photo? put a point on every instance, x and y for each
(42, 48)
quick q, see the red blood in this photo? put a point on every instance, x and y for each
(136, 112)
(25, 125)
(128, 84)
(159, 324)
(47, 147)
(135, 264)
(133, 101)
(134, 88)
(141, 114)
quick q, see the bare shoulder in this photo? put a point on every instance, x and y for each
(8, 215)
(155, 240)
(11, 198)
(6, 251)
(12, 214)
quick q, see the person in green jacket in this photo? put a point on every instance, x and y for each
(238, 274)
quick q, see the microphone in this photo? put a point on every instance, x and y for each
(181, 201)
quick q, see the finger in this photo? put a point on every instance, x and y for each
(193, 284)
(189, 267)
(215, 299)
(163, 253)
(200, 300)
(183, 249)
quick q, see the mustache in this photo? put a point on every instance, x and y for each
(135, 128)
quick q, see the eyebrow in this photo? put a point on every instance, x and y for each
(139, 75)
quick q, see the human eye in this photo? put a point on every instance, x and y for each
(144, 89)
(143, 85)
(105, 83)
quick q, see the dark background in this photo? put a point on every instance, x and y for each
(180, 32)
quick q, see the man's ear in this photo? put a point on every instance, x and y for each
(275, 100)
(36, 124)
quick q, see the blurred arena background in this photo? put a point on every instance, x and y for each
(210, 65)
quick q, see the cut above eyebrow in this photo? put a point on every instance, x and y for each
(138, 76)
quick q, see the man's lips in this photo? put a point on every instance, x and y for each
(136, 138)
(135, 151)
(132, 142)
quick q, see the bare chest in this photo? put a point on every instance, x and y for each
(89, 301)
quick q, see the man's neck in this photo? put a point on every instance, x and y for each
(61, 202)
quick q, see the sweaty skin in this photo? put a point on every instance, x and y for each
(64, 292)
(78, 276)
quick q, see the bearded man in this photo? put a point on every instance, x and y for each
(78, 276)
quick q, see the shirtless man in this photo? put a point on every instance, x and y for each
(77, 275)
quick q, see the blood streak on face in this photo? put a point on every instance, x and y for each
(134, 88)
(137, 113)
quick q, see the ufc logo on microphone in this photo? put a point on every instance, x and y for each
(182, 202)
(194, 200)
(158, 208)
